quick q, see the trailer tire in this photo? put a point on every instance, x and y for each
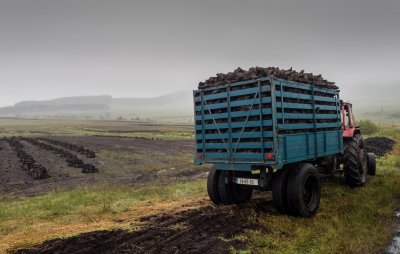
(279, 190)
(355, 162)
(371, 164)
(212, 186)
(225, 188)
(304, 191)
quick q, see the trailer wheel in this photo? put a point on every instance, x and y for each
(225, 188)
(304, 191)
(212, 185)
(279, 189)
(355, 162)
(371, 164)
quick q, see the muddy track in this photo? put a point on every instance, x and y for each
(35, 170)
(78, 148)
(203, 230)
(72, 160)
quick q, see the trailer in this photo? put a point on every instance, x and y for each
(273, 134)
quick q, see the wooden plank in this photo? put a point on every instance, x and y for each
(235, 103)
(233, 125)
(306, 86)
(215, 96)
(248, 91)
(305, 116)
(245, 113)
(240, 145)
(267, 134)
(296, 126)
(253, 156)
(294, 95)
(305, 106)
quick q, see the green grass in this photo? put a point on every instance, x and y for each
(150, 130)
(350, 220)
(164, 135)
(28, 221)
(368, 127)
(104, 199)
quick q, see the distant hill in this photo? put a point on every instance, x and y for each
(181, 102)
(104, 107)
(78, 100)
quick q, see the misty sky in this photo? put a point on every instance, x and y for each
(55, 48)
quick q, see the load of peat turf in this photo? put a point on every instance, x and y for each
(379, 145)
(259, 72)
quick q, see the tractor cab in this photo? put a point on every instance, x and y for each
(348, 123)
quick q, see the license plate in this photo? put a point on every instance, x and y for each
(246, 181)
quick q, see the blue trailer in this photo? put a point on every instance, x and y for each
(270, 134)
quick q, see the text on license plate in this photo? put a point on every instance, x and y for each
(246, 181)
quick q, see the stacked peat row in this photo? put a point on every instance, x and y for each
(80, 149)
(72, 159)
(35, 170)
(259, 72)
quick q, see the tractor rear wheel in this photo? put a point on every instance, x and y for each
(371, 164)
(304, 191)
(355, 162)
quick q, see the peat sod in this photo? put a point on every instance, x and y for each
(260, 72)
(379, 145)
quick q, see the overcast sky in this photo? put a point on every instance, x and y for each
(55, 48)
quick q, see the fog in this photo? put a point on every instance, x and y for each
(54, 48)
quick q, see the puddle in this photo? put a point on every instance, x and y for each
(394, 247)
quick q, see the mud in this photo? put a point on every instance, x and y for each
(394, 246)
(379, 145)
(204, 230)
(146, 162)
(11, 175)
(259, 72)
(72, 159)
(80, 149)
(28, 164)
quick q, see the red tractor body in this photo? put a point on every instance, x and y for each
(348, 123)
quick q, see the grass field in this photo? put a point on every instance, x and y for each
(152, 130)
(359, 220)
